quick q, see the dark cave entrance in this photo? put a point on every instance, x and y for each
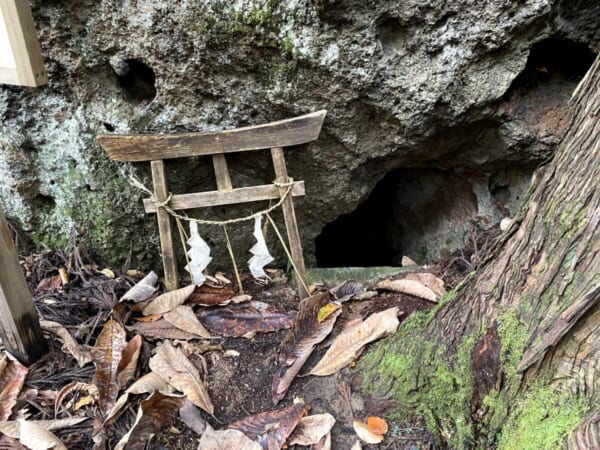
(137, 80)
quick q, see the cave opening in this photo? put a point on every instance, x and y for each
(138, 81)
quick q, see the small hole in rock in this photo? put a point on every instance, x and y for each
(138, 81)
(108, 127)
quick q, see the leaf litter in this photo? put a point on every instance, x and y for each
(234, 380)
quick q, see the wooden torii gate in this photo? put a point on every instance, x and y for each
(274, 136)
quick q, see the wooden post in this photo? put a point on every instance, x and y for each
(19, 323)
(289, 216)
(161, 193)
(222, 172)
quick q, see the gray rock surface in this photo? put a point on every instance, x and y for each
(407, 84)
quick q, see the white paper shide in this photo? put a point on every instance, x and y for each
(261, 257)
(199, 255)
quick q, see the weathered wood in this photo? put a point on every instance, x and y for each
(218, 198)
(222, 172)
(28, 67)
(161, 193)
(19, 324)
(289, 216)
(295, 131)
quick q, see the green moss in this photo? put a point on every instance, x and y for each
(542, 420)
(513, 335)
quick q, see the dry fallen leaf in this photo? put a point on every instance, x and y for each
(324, 443)
(239, 319)
(349, 343)
(107, 354)
(34, 437)
(161, 329)
(49, 284)
(80, 352)
(12, 378)
(377, 425)
(429, 280)
(70, 388)
(407, 261)
(183, 317)
(142, 290)
(409, 287)
(191, 416)
(365, 434)
(271, 429)
(226, 440)
(172, 365)
(356, 446)
(347, 290)
(298, 344)
(210, 296)
(12, 428)
(220, 276)
(312, 429)
(154, 415)
(128, 364)
(168, 301)
(108, 273)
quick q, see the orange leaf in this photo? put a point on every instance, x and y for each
(12, 378)
(377, 425)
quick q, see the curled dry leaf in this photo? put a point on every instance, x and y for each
(409, 287)
(142, 290)
(34, 437)
(174, 367)
(12, 378)
(49, 284)
(298, 344)
(80, 352)
(407, 261)
(226, 440)
(347, 289)
(70, 388)
(154, 415)
(128, 364)
(377, 425)
(429, 280)
(220, 276)
(324, 443)
(365, 434)
(312, 429)
(107, 354)
(168, 301)
(161, 329)
(239, 319)
(191, 416)
(271, 429)
(183, 317)
(210, 296)
(349, 343)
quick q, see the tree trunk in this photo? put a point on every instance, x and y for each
(510, 357)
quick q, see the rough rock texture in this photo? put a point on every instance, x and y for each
(407, 84)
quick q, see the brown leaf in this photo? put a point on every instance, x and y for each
(32, 435)
(271, 429)
(154, 415)
(161, 329)
(349, 343)
(429, 280)
(142, 290)
(297, 346)
(409, 287)
(226, 440)
(239, 319)
(190, 415)
(13, 428)
(128, 363)
(75, 386)
(49, 284)
(12, 378)
(183, 317)
(312, 429)
(107, 354)
(347, 289)
(168, 301)
(172, 365)
(81, 353)
(365, 434)
(210, 296)
(324, 443)
(150, 318)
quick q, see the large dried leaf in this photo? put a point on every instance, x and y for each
(12, 378)
(172, 365)
(128, 364)
(12, 428)
(429, 280)
(210, 296)
(183, 317)
(307, 331)
(154, 415)
(142, 290)
(161, 329)
(80, 352)
(349, 343)
(191, 416)
(409, 287)
(32, 435)
(107, 354)
(312, 429)
(347, 290)
(70, 388)
(226, 440)
(168, 301)
(148, 383)
(271, 429)
(239, 319)
(365, 434)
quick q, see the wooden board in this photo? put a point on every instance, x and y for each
(283, 133)
(19, 324)
(220, 198)
(21, 60)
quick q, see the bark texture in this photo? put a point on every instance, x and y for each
(511, 357)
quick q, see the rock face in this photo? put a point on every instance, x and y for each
(444, 88)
